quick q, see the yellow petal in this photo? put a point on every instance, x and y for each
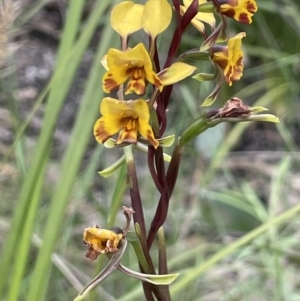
(114, 77)
(140, 107)
(157, 17)
(126, 18)
(235, 57)
(112, 120)
(230, 57)
(153, 78)
(93, 237)
(146, 131)
(110, 106)
(175, 73)
(137, 55)
(107, 126)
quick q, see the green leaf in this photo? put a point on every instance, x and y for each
(30, 193)
(74, 153)
(107, 172)
(154, 279)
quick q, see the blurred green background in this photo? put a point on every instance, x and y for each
(233, 178)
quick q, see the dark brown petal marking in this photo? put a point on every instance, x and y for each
(157, 82)
(130, 71)
(92, 254)
(239, 61)
(229, 13)
(109, 84)
(251, 7)
(222, 63)
(101, 134)
(244, 18)
(136, 86)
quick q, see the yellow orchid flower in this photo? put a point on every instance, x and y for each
(133, 63)
(240, 10)
(198, 20)
(230, 57)
(128, 118)
(101, 241)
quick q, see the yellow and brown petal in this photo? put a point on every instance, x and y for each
(230, 58)
(128, 118)
(240, 10)
(133, 64)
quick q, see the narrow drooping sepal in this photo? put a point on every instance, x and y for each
(107, 172)
(219, 34)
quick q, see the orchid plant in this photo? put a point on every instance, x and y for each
(136, 120)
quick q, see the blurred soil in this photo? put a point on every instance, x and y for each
(28, 69)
